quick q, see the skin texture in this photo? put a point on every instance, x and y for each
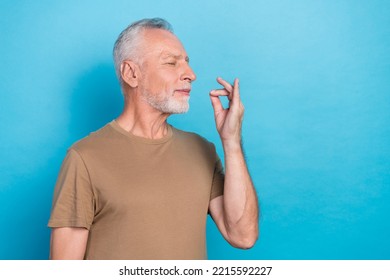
(236, 212)
(154, 87)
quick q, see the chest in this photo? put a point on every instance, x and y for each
(155, 180)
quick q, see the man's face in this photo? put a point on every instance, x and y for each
(166, 75)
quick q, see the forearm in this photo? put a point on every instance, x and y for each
(240, 200)
(236, 213)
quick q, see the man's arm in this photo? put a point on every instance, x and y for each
(236, 212)
(68, 243)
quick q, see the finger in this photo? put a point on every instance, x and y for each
(236, 91)
(225, 84)
(235, 101)
(219, 92)
(217, 104)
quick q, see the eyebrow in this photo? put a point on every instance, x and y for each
(169, 55)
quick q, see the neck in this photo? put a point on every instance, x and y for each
(142, 120)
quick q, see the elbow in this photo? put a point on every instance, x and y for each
(244, 233)
(250, 242)
(246, 241)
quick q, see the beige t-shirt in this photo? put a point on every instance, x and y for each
(139, 198)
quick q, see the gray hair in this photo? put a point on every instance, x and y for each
(126, 45)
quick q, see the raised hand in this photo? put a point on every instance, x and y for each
(228, 120)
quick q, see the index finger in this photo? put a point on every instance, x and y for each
(225, 84)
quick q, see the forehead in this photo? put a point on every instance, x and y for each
(162, 42)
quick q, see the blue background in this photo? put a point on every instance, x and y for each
(315, 81)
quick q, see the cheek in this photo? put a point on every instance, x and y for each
(161, 81)
(166, 83)
(159, 87)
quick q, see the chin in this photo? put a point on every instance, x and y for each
(180, 110)
(176, 107)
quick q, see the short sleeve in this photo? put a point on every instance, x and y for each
(73, 202)
(218, 180)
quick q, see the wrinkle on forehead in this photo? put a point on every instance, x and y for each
(162, 43)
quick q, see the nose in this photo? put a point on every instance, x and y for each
(188, 74)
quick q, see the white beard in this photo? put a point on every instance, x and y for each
(169, 104)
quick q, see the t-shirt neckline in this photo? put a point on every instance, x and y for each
(164, 139)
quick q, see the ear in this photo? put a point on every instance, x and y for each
(130, 73)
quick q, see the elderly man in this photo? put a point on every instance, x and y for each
(139, 188)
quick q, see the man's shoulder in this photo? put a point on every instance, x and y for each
(95, 140)
(192, 137)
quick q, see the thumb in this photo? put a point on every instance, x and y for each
(217, 104)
